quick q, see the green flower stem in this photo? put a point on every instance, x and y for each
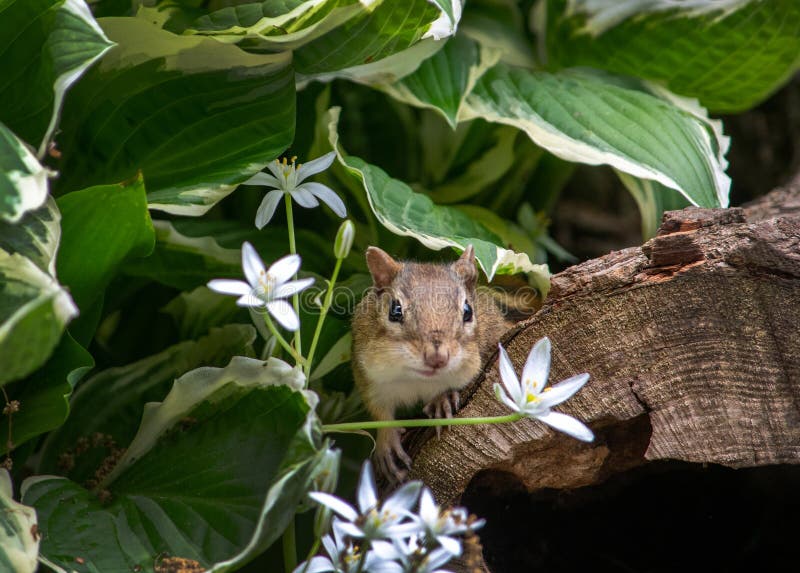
(293, 250)
(311, 553)
(289, 548)
(282, 341)
(350, 426)
(326, 305)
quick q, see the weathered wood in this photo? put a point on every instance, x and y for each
(693, 346)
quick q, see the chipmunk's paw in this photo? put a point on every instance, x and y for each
(443, 406)
(389, 454)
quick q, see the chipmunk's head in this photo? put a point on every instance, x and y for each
(424, 315)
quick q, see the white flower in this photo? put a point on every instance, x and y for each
(374, 521)
(531, 398)
(413, 556)
(442, 525)
(266, 287)
(287, 179)
(345, 557)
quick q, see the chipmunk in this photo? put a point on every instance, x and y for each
(420, 335)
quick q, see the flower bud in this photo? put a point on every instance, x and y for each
(344, 239)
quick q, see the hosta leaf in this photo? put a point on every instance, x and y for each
(214, 475)
(653, 199)
(592, 119)
(405, 212)
(34, 310)
(44, 395)
(380, 44)
(45, 46)
(19, 538)
(443, 81)
(276, 25)
(196, 311)
(90, 254)
(730, 54)
(196, 116)
(110, 402)
(23, 180)
(35, 236)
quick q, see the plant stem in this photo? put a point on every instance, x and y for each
(312, 552)
(293, 250)
(349, 426)
(289, 548)
(281, 340)
(322, 314)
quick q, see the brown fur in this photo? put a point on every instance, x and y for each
(387, 355)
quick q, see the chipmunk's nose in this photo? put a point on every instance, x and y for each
(435, 356)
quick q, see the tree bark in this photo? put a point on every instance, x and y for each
(693, 346)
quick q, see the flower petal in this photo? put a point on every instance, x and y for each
(334, 503)
(284, 314)
(330, 547)
(537, 366)
(304, 198)
(267, 208)
(288, 289)
(428, 510)
(403, 498)
(567, 424)
(376, 564)
(502, 395)
(276, 169)
(327, 196)
(252, 265)
(438, 557)
(284, 268)
(351, 530)
(316, 565)
(367, 496)
(563, 390)
(264, 179)
(385, 550)
(314, 166)
(250, 300)
(509, 377)
(230, 286)
(450, 544)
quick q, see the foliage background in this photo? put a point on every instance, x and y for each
(126, 131)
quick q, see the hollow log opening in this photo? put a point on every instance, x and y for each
(662, 516)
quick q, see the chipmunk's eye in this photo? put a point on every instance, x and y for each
(395, 311)
(467, 312)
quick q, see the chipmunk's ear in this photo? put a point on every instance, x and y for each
(465, 267)
(382, 267)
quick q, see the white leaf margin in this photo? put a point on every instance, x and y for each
(19, 542)
(602, 15)
(81, 10)
(30, 180)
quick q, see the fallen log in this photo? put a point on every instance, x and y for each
(693, 345)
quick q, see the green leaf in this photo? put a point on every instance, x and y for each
(381, 44)
(593, 119)
(407, 213)
(731, 55)
(34, 310)
(653, 199)
(23, 180)
(196, 311)
(444, 80)
(91, 254)
(275, 24)
(110, 402)
(35, 236)
(44, 396)
(19, 541)
(45, 47)
(214, 475)
(196, 116)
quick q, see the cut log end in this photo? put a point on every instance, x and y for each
(693, 346)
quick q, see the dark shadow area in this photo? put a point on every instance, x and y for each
(662, 517)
